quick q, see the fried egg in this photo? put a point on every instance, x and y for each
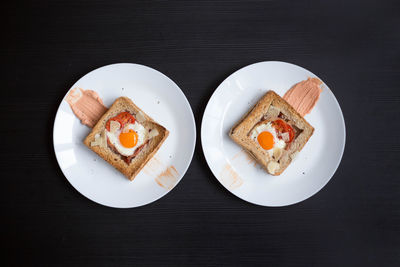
(266, 136)
(129, 138)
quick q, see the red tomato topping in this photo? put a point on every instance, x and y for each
(123, 118)
(283, 127)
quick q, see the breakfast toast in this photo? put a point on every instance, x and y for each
(111, 125)
(289, 129)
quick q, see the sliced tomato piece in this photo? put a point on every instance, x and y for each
(283, 127)
(123, 118)
(112, 119)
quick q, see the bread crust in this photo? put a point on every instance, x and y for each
(130, 170)
(262, 111)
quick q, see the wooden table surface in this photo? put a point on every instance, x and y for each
(354, 46)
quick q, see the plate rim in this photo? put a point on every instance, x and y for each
(190, 159)
(208, 161)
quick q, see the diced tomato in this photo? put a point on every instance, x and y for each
(109, 121)
(283, 127)
(123, 118)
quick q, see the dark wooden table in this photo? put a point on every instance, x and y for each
(354, 46)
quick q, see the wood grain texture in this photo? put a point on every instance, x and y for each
(353, 46)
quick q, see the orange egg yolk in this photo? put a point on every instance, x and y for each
(266, 140)
(128, 139)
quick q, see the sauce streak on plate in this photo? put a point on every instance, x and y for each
(230, 178)
(304, 95)
(86, 105)
(167, 178)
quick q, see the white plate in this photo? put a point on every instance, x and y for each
(161, 99)
(314, 165)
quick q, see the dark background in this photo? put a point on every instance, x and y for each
(354, 46)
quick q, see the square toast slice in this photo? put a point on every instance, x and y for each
(97, 140)
(271, 107)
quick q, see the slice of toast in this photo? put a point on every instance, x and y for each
(97, 140)
(270, 107)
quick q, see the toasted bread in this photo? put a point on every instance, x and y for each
(94, 142)
(270, 107)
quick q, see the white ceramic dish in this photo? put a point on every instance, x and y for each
(308, 173)
(159, 97)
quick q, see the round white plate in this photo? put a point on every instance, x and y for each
(314, 165)
(161, 99)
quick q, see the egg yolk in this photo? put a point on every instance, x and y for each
(266, 140)
(128, 139)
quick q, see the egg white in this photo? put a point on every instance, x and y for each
(267, 127)
(114, 138)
